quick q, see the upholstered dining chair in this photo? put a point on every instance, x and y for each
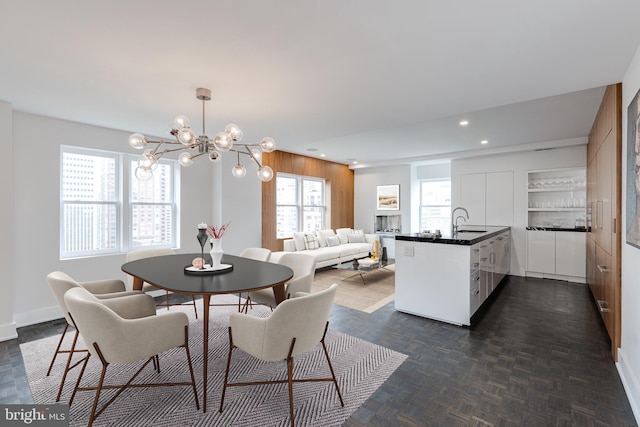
(304, 270)
(259, 254)
(115, 339)
(59, 283)
(294, 327)
(147, 287)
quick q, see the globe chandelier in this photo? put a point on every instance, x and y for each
(192, 146)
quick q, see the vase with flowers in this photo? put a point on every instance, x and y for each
(215, 234)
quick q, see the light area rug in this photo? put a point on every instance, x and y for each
(377, 291)
(360, 366)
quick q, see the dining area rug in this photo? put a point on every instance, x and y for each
(377, 290)
(361, 367)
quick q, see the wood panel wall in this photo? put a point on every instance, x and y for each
(339, 191)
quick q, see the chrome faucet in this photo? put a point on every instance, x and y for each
(454, 220)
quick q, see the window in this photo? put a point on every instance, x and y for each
(435, 205)
(299, 204)
(93, 204)
(152, 207)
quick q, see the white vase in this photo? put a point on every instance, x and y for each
(216, 252)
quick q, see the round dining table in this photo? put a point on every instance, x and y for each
(246, 275)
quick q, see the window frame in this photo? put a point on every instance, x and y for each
(124, 175)
(300, 206)
(131, 161)
(423, 205)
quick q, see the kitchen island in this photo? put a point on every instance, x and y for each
(448, 278)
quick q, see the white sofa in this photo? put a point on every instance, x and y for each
(350, 244)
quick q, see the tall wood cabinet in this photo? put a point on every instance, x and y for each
(604, 207)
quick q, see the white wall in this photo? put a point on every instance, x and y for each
(207, 193)
(366, 182)
(519, 163)
(629, 353)
(7, 324)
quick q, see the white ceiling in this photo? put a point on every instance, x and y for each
(370, 80)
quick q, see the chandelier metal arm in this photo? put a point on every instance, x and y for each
(187, 140)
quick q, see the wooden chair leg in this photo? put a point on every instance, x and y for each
(195, 309)
(166, 299)
(226, 373)
(66, 367)
(290, 381)
(66, 326)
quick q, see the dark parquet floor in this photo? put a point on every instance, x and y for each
(536, 355)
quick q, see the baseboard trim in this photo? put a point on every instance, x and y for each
(8, 331)
(630, 383)
(38, 316)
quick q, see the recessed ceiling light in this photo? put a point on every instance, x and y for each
(484, 141)
(323, 155)
(464, 122)
(354, 162)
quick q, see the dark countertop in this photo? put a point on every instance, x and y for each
(467, 235)
(577, 230)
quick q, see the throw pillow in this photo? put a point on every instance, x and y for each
(358, 232)
(332, 241)
(298, 239)
(311, 241)
(322, 236)
(343, 233)
(355, 238)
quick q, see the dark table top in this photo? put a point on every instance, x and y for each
(167, 272)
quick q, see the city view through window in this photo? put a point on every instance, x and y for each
(92, 204)
(435, 205)
(299, 204)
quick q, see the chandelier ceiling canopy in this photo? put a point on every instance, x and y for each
(192, 146)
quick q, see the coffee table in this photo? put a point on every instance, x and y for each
(362, 269)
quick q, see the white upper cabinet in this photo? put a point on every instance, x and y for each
(488, 197)
(499, 200)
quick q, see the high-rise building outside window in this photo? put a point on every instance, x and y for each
(97, 217)
(299, 204)
(435, 205)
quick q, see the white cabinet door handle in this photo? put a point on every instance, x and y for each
(603, 268)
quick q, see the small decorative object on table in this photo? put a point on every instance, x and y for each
(216, 243)
(202, 239)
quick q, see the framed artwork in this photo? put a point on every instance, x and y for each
(388, 197)
(633, 172)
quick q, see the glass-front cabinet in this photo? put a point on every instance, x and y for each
(556, 198)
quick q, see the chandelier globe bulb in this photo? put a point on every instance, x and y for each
(222, 141)
(143, 174)
(186, 137)
(180, 122)
(256, 154)
(234, 132)
(185, 159)
(265, 173)
(268, 144)
(239, 171)
(137, 141)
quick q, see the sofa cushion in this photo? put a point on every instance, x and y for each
(311, 241)
(343, 233)
(327, 253)
(298, 239)
(349, 249)
(332, 241)
(322, 236)
(355, 238)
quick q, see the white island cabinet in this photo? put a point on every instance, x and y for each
(448, 279)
